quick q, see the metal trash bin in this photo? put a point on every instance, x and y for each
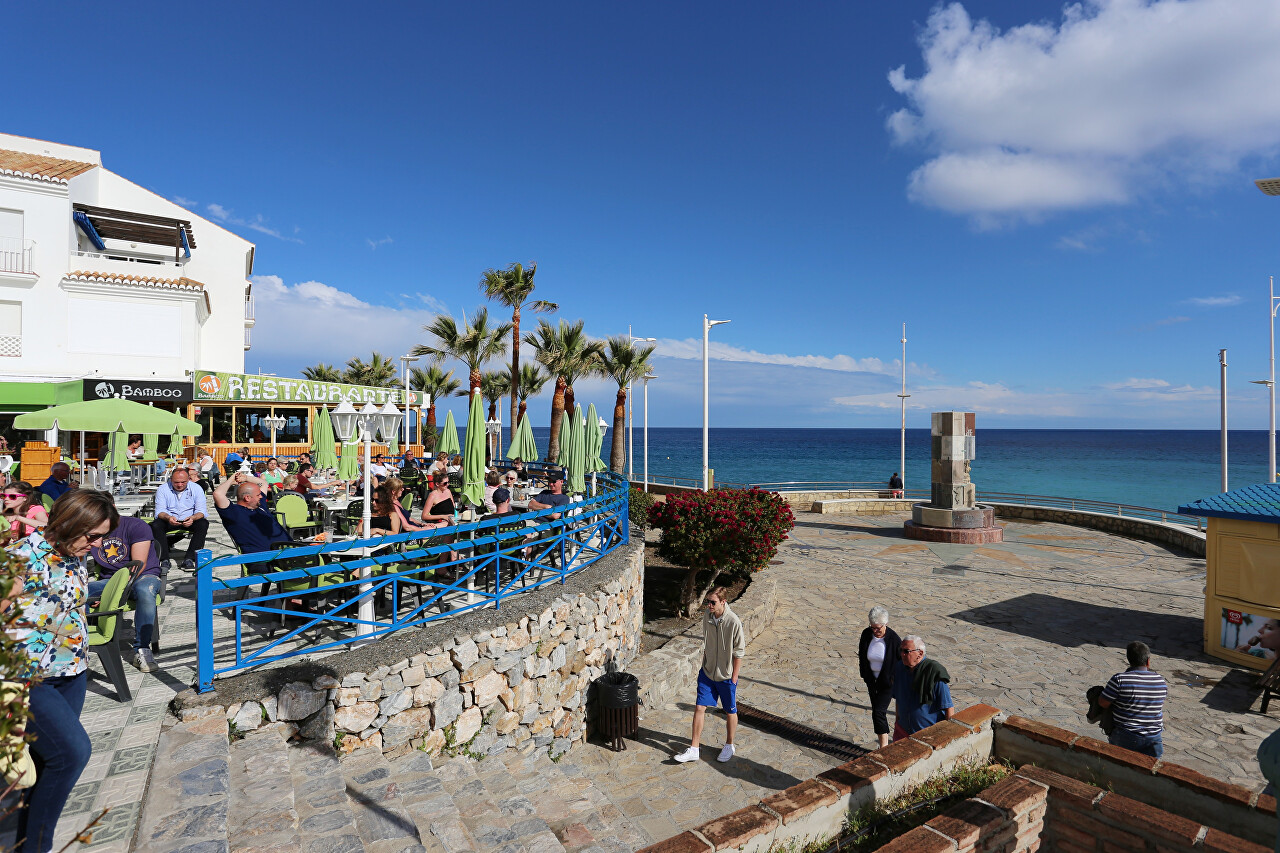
(619, 696)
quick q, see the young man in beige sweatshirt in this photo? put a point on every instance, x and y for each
(724, 644)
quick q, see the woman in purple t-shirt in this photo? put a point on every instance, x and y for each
(130, 539)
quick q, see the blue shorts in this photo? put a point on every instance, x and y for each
(709, 692)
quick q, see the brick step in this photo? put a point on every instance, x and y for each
(261, 815)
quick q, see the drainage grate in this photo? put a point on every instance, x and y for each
(798, 734)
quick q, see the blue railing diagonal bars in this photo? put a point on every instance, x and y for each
(306, 599)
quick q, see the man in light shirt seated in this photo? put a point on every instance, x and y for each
(180, 505)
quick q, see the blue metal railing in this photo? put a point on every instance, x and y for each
(323, 588)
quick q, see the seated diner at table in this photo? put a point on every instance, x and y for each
(248, 522)
(273, 474)
(553, 496)
(438, 510)
(383, 519)
(395, 487)
(23, 511)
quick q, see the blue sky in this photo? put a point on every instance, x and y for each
(1058, 201)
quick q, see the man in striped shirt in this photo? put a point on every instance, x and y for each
(1136, 698)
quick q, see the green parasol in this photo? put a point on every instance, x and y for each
(523, 446)
(595, 442)
(473, 456)
(563, 459)
(577, 453)
(175, 445)
(348, 467)
(118, 454)
(448, 441)
(108, 415)
(394, 447)
(150, 447)
(322, 455)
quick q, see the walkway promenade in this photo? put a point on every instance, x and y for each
(1026, 626)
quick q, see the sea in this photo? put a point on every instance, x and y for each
(1160, 469)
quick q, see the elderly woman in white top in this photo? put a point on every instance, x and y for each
(877, 654)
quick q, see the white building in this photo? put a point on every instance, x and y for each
(101, 277)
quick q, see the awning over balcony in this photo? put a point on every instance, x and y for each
(101, 223)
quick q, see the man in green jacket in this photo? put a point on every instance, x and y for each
(724, 644)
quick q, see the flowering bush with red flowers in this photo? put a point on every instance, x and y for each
(731, 532)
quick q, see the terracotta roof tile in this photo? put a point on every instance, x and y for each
(39, 167)
(152, 281)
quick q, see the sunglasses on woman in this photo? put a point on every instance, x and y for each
(10, 496)
(93, 537)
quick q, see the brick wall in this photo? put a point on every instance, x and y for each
(1215, 803)
(1008, 817)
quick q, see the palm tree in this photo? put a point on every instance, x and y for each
(567, 353)
(624, 363)
(379, 372)
(511, 287)
(494, 385)
(532, 381)
(479, 342)
(437, 383)
(322, 372)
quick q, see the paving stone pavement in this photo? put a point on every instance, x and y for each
(1027, 626)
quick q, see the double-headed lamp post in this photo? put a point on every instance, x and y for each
(274, 423)
(631, 419)
(647, 377)
(370, 419)
(706, 397)
(493, 428)
(1271, 186)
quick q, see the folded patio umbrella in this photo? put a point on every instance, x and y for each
(150, 447)
(118, 453)
(322, 455)
(448, 442)
(577, 453)
(595, 441)
(348, 466)
(175, 445)
(563, 459)
(523, 446)
(473, 456)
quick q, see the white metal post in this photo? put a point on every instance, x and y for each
(902, 446)
(647, 377)
(366, 600)
(1222, 361)
(1271, 434)
(630, 421)
(706, 396)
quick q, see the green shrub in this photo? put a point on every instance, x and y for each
(640, 503)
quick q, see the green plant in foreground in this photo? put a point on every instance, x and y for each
(638, 507)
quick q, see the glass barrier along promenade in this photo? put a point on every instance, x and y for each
(253, 610)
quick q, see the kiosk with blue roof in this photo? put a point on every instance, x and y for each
(1242, 588)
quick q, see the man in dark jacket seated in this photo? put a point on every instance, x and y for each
(248, 521)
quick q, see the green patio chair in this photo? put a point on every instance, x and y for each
(295, 516)
(104, 618)
(406, 501)
(47, 501)
(134, 568)
(300, 587)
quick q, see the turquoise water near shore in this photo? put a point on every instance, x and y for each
(1154, 468)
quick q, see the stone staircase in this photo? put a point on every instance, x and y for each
(261, 794)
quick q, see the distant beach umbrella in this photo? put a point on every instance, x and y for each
(523, 446)
(577, 453)
(473, 457)
(595, 442)
(563, 459)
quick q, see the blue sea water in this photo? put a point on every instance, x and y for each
(1153, 468)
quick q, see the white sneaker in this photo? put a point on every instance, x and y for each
(690, 754)
(143, 660)
(726, 753)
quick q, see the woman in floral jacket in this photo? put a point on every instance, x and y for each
(53, 630)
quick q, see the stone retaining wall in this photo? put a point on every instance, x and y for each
(863, 506)
(670, 672)
(1178, 535)
(516, 678)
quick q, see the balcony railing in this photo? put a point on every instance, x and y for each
(247, 332)
(248, 308)
(16, 255)
(142, 259)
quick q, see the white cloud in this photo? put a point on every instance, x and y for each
(692, 348)
(185, 202)
(311, 321)
(374, 244)
(258, 223)
(1217, 301)
(1137, 385)
(1045, 117)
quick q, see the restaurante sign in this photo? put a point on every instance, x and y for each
(274, 389)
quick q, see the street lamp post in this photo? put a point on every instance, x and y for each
(631, 432)
(706, 396)
(274, 423)
(406, 360)
(1222, 379)
(493, 428)
(902, 445)
(647, 377)
(370, 419)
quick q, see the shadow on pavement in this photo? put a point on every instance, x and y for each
(1073, 624)
(739, 767)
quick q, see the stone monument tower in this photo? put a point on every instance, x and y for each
(953, 514)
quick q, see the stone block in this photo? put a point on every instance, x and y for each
(465, 654)
(476, 671)
(412, 676)
(506, 723)
(468, 726)
(447, 709)
(298, 700)
(355, 718)
(406, 725)
(319, 726)
(436, 664)
(354, 679)
(371, 691)
(396, 702)
(325, 682)
(427, 692)
(392, 685)
(348, 696)
(488, 689)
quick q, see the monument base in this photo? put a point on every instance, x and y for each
(954, 535)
